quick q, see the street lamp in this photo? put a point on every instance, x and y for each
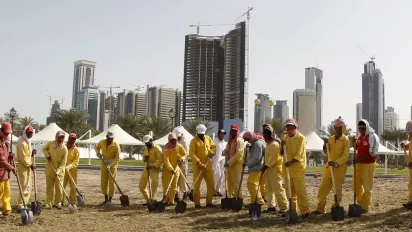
(172, 115)
(258, 105)
(13, 113)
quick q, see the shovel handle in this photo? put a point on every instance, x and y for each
(114, 180)
(331, 170)
(241, 175)
(74, 183)
(168, 187)
(148, 178)
(60, 183)
(287, 174)
(260, 181)
(184, 178)
(18, 182)
(200, 174)
(34, 177)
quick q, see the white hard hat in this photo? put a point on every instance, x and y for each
(201, 129)
(147, 138)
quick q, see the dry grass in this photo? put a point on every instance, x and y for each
(386, 214)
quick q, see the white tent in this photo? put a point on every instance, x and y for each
(384, 150)
(313, 142)
(163, 140)
(47, 134)
(120, 136)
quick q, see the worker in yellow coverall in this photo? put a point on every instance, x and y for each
(338, 145)
(295, 145)
(408, 147)
(235, 149)
(71, 167)
(274, 170)
(56, 154)
(110, 156)
(202, 149)
(25, 166)
(153, 156)
(174, 154)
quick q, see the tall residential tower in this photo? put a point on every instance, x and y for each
(83, 77)
(314, 81)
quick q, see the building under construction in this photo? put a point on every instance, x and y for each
(214, 76)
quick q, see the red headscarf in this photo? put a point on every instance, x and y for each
(170, 146)
(293, 122)
(251, 136)
(232, 143)
(270, 128)
(69, 143)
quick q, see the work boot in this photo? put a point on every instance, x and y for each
(109, 202)
(316, 212)
(407, 205)
(185, 196)
(48, 206)
(198, 207)
(210, 206)
(177, 197)
(283, 212)
(265, 199)
(270, 210)
(106, 199)
(364, 211)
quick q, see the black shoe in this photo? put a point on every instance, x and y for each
(270, 210)
(210, 206)
(145, 204)
(407, 205)
(265, 199)
(219, 194)
(283, 212)
(306, 215)
(184, 198)
(198, 207)
(177, 197)
(364, 211)
(316, 213)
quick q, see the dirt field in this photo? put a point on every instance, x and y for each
(386, 214)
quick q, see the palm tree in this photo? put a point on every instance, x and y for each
(7, 117)
(159, 126)
(191, 126)
(134, 125)
(330, 131)
(278, 125)
(72, 120)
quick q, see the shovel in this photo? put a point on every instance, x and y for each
(26, 215)
(71, 207)
(255, 209)
(354, 209)
(338, 213)
(291, 216)
(191, 193)
(124, 199)
(151, 205)
(225, 202)
(237, 202)
(36, 206)
(80, 198)
(161, 206)
(181, 205)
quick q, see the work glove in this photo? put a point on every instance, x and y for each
(34, 152)
(108, 168)
(48, 158)
(226, 165)
(99, 156)
(200, 165)
(263, 169)
(68, 167)
(333, 164)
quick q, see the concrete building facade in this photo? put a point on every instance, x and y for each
(88, 99)
(314, 81)
(281, 109)
(358, 115)
(304, 109)
(161, 100)
(84, 75)
(391, 119)
(263, 111)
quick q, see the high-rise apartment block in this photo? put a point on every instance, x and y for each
(281, 109)
(161, 100)
(314, 81)
(391, 119)
(83, 77)
(304, 109)
(88, 99)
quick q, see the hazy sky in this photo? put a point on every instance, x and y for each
(142, 42)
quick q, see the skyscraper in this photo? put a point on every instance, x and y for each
(304, 109)
(358, 115)
(83, 76)
(161, 100)
(214, 77)
(314, 81)
(120, 105)
(281, 109)
(55, 107)
(88, 99)
(373, 99)
(102, 111)
(391, 119)
(262, 111)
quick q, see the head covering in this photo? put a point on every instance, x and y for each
(110, 135)
(365, 124)
(71, 144)
(6, 126)
(26, 130)
(201, 129)
(339, 122)
(178, 131)
(148, 137)
(292, 121)
(170, 146)
(221, 131)
(232, 143)
(272, 131)
(251, 136)
(59, 134)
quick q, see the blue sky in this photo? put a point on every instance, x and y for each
(142, 42)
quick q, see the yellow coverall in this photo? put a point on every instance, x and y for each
(274, 161)
(58, 161)
(339, 152)
(408, 147)
(111, 156)
(199, 152)
(25, 161)
(155, 157)
(263, 190)
(234, 171)
(72, 161)
(171, 160)
(296, 149)
(5, 197)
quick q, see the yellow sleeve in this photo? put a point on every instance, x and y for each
(274, 150)
(182, 153)
(159, 157)
(240, 149)
(192, 151)
(117, 154)
(62, 164)
(98, 147)
(212, 146)
(344, 158)
(406, 147)
(146, 152)
(21, 156)
(167, 164)
(46, 152)
(76, 154)
(301, 151)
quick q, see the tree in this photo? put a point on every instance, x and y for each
(330, 131)
(278, 125)
(72, 120)
(26, 121)
(134, 125)
(191, 126)
(7, 117)
(159, 126)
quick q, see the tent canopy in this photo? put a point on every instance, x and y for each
(313, 142)
(163, 140)
(120, 136)
(48, 134)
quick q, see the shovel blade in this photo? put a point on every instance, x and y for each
(354, 210)
(36, 207)
(152, 206)
(124, 200)
(291, 217)
(255, 211)
(237, 204)
(80, 201)
(225, 203)
(161, 207)
(30, 217)
(72, 208)
(24, 217)
(190, 195)
(338, 214)
(180, 207)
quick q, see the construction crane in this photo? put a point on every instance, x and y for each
(110, 100)
(245, 112)
(371, 57)
(54, 97)
(139, 87)
(204, 25)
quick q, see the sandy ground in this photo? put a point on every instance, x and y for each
(386, 214)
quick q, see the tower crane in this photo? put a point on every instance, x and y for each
(204, 25)
(110, 100)
(371, 57)
(139, 87)
(245, 111)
